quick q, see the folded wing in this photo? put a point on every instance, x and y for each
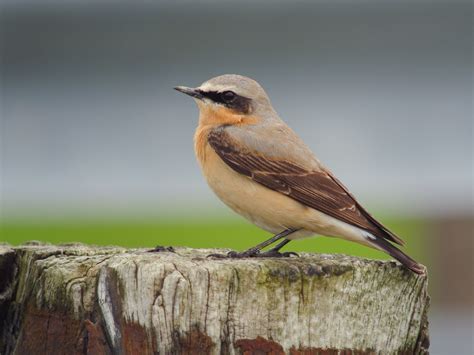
(315, 188)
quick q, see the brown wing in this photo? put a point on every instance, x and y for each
(316, 189)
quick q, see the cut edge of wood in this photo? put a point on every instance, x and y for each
(106, 328)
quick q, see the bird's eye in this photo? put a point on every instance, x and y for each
(228, 96)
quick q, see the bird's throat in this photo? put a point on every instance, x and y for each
(216, 115)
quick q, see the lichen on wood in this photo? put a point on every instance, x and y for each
(77, 299)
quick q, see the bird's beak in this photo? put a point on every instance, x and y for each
(189, 91)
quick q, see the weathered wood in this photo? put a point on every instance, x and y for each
(77, 299)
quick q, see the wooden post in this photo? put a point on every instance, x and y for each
(78, 299)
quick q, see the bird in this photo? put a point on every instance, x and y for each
(260, 168)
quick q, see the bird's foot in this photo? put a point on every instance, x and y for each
(277, 254)
(251, 253)
(160, 248)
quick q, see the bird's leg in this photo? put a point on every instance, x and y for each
(255, 251)
(275, 251)
(280, 245)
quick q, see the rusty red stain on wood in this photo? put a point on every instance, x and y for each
(195, 342)
(46, 332)
(259, 346)
(135, 339)
(96, 343)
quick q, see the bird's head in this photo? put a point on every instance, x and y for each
(230, 99)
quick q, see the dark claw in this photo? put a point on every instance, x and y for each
(160, 248)
(251, 253)
(277, 254)
(287, 254)
(217, 256)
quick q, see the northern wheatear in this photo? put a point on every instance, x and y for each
(261, 169)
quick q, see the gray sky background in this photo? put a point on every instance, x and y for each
(381, 91)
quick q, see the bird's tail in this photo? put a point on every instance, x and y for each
(396, 253)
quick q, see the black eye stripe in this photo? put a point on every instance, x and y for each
(238, 103)
(218, 96)
(212, 95)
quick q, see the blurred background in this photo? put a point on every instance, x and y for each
(96, 146)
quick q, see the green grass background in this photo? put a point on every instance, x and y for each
(208, 233)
